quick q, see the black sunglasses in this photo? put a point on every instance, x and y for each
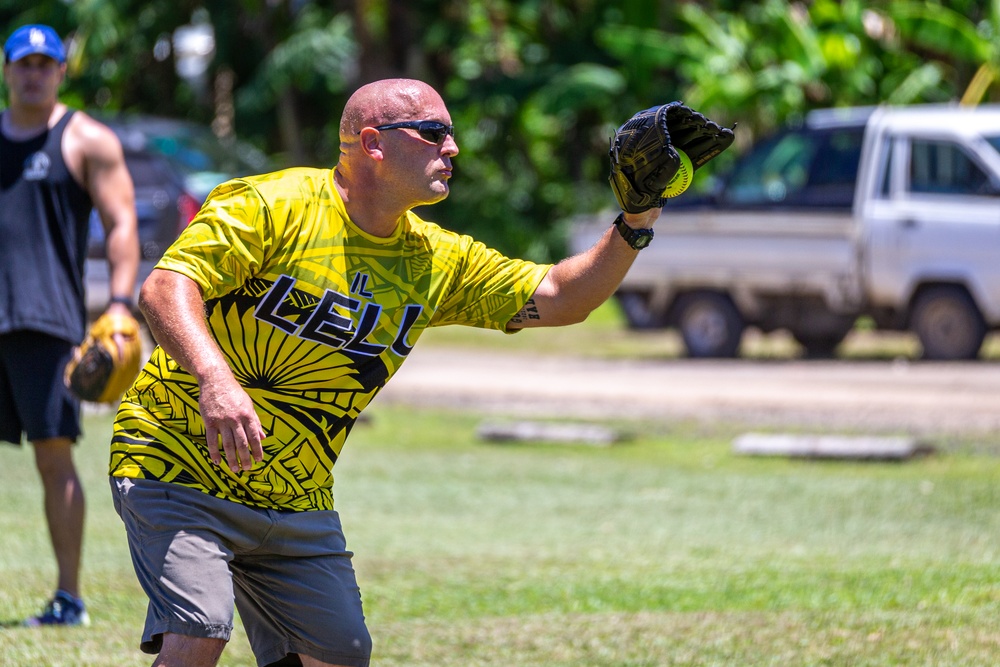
(429, 130)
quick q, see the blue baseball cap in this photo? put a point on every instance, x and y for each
(30, 39)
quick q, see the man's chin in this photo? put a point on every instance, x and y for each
(439, 192)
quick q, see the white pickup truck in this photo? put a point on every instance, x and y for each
(888, 212)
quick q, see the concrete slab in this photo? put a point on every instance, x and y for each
(548, 432)
(863, 447)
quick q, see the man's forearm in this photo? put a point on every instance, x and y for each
(122, 248)
(574, 287)
(175, 312)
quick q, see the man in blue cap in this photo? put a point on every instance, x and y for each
(56, 166)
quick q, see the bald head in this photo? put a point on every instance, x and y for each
(381, 174)
(386, 101)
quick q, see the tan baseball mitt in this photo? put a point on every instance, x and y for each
(97, 372)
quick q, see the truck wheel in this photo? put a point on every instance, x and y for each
(948, 323)
(709, 324)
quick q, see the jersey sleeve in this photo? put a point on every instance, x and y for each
(226, 243)
(489, 289)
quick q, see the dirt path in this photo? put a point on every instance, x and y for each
(872, 396)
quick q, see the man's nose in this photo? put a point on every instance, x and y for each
(449, 146)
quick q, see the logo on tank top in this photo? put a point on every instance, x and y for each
(36, 167)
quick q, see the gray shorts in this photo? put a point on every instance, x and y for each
(288, 573)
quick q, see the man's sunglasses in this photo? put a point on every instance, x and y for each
(429, 130)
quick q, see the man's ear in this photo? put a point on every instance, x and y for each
(371, 144)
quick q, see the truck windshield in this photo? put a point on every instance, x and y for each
(807, 168)
(994, 142)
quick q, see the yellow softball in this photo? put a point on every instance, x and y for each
(682, 179)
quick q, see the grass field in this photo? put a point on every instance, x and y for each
(666, 550)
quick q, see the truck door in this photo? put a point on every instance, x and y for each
(937, 219)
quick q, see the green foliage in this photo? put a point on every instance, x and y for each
(535, 87)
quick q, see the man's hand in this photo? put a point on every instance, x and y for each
(175, 313)
(231, 424)
(642, 220)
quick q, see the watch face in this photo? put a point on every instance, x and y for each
(641, 241)
(637, 238)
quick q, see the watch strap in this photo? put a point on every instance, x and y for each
(636, 238)
(124, 300)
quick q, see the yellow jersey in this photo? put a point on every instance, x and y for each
(314, 317)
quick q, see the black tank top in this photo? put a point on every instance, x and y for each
(44, 224)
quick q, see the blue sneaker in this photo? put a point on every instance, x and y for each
(62, 609)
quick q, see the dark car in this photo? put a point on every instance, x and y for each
(174, 165)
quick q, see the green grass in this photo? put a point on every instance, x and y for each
(667, 550)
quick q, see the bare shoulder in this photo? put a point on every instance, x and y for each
(94, 155)
(93, 139)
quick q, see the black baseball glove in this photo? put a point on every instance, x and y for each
(644, 156)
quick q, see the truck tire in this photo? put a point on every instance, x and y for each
(710, 325)
(948, 323)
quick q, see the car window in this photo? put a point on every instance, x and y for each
(994, 141)
(771, 170)
(192, 150)
(799, 168)
(835, 170)
(204, 160)
(943, 167)
(147, 171)
(885, 182)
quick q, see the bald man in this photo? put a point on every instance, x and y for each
(280, 312)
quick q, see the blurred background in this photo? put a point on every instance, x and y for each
(535, 87)
(670, 550)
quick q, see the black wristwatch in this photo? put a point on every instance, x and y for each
(124, 300)
(637, 238)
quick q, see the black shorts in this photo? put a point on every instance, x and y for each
(34, 400)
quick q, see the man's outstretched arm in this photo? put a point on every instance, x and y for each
(574, 287)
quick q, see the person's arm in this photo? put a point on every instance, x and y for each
(574, 287)
(110, 187)
(175, 311)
